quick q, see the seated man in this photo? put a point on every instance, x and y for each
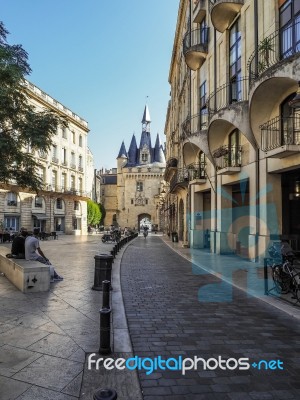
(18, 244)
(34, 252)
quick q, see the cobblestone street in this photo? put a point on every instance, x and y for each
(165, 318)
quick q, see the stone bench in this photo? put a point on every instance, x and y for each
(27, 276)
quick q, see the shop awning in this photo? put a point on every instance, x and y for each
(41, 217)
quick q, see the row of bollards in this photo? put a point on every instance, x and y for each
(102, 282)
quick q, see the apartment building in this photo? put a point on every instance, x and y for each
(232, 126)
(61, 204)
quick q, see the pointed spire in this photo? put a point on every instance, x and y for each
(159, 155)
(146, 120)
(122, 152)
(132, 152)
(146, 116)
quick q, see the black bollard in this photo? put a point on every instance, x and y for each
(105, 394)
(105, 296)
(103, 266)
(112, 253)
(105, 331)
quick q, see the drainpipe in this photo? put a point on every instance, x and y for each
(257, 151)
(256, 35)
(215, 106)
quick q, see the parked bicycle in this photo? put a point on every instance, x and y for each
(285, 274)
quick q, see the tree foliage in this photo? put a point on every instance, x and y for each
(103, 213)
(93, 213)
(23, 129)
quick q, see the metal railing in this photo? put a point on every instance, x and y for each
(64, 190)
(195, 123)
(279, 46)
(280, 131)
(230, 93)
(196, 171)
(194, 38)
(228, 156)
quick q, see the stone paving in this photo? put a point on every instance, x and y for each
(169, 315)
(44, 337)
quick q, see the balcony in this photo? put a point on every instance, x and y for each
(194, 172)
(80, 169)
(223, 12)
(228, 159)
(73, 166)
(55, 160)
(194, 124)
(197, 172)
(195, 45)
(280, 137)
(199, 11)
(277, 47)
(236, 91)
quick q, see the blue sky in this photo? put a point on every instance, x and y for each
(100, 58)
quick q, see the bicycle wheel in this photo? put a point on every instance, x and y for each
(295, 287)
(281, 280)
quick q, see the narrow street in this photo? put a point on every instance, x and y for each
(165, 318)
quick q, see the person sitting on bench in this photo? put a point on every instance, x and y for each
(18, 244)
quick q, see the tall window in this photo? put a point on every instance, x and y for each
(38, 202)
(73, 164)
(59, 204)
(73, 137)
(54, 153)
(72, 182)
(12, 199)
(144, 157)
(80, 140)
(64, 156)
(63, 180)
(12, 222)
(290, 123)
(80, 163)
(289, 20)
(80, 185)
(203, 109)
(202, 165)
(76, 205)
(139, 186)
(235, 66)
(54, 180)
(234, 155)
(64, 132)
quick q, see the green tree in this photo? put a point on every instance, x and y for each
(93, 213)
(103, 213)
(22, 128)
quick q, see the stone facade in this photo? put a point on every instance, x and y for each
(233, 147)
(61, 204)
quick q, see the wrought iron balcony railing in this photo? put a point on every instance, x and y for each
(279, 46)
(228, 156)
(195, 123)
(230, 93)
(64, 190)
(184, 175)
(280, 131)
(195, 47)
(196, 171)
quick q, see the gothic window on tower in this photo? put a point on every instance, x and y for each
(139, 186)
(144, 157)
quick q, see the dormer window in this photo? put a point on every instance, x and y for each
(144, 157)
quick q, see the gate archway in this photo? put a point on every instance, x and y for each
(144, 220)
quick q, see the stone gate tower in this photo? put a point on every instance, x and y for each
(140, 174)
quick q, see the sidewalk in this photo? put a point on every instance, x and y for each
(245, 275)
(45, 337)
